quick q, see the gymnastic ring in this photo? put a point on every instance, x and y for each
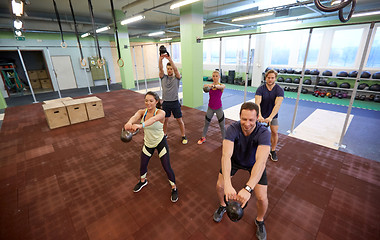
(341, 17)
(323, 8)
(101, 62)
(122, 62)
(83, 62)
(63, 45)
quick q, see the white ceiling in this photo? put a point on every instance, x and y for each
(40, 15)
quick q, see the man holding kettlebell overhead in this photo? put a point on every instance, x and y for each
(170, 86)
(246, 146)
(269, 98)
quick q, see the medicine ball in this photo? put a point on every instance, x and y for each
(342, 74)
(327, 73)
(333, 93)
(353, 74)
(329, 95)
(357, 97)
(371, 97)
(304, 90)
(297, 71)
(288, 80)
(314, 72)
(345, 85)
(375, 87)
(365, 74)
(290, 71)
(322, 83)
(332, 84)
(280, 79)
(377, 98)
(362, 97)
(307, 72)
(344, 95)
(282, 70)
(296, 80)
(276, 69)
(376, 75)
(307, 82)
(267, 69)
(362, 86)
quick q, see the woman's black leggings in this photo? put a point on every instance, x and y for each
(163, 154)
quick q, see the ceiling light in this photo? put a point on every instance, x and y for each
(259, 15)
(277, 20)
(132, 19)
(228, 31)
(85, 35)
(165, 39)
(17, 24)
(156, 33)
(17, 7)
(229, 24)
(365, 14)
(183, 3)
(102, 29)
(18, 33)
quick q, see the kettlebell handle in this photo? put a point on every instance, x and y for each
(227, 202)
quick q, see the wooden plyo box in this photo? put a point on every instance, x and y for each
(46, 84)
(33, 75)
(94, 107)
(76, 109)
(59, 100)
(56, 115)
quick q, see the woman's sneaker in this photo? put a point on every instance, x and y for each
(140, 185)
(202, 140)
(174, 196)
(184, 140)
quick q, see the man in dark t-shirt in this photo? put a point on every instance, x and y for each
(246, 146)
(269, 98)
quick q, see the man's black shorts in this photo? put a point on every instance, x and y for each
(172, 107)
(235, 167)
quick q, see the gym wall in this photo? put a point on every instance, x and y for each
(41, 41)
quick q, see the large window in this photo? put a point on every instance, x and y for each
(374, 54)
(344, 47)
(235, 49)
(176, 55)
(281, 45)
(211, 51)
(315, 45)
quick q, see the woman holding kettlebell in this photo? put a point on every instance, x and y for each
(214, 105)
(151, 120)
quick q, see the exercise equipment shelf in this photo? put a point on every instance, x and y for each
(334, 77)
(327, 87)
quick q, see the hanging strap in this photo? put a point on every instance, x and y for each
(83, 62)
(63, 44)
(100, 60)
(120, 61)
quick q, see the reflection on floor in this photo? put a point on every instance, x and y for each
(76, 182)
(322, 127)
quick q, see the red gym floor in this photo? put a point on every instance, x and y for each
(76, 182)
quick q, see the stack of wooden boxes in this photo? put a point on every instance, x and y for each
(33, 77)
(39, 79)
(66, 111)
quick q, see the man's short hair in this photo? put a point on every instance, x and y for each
(271, 71)
(168, 64)
(250, 106)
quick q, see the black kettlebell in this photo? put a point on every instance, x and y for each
(234, 210)
(206, 89)
(163, 50)
(126, 136)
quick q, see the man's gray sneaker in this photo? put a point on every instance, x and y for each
(261, 232)
(218, 215)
